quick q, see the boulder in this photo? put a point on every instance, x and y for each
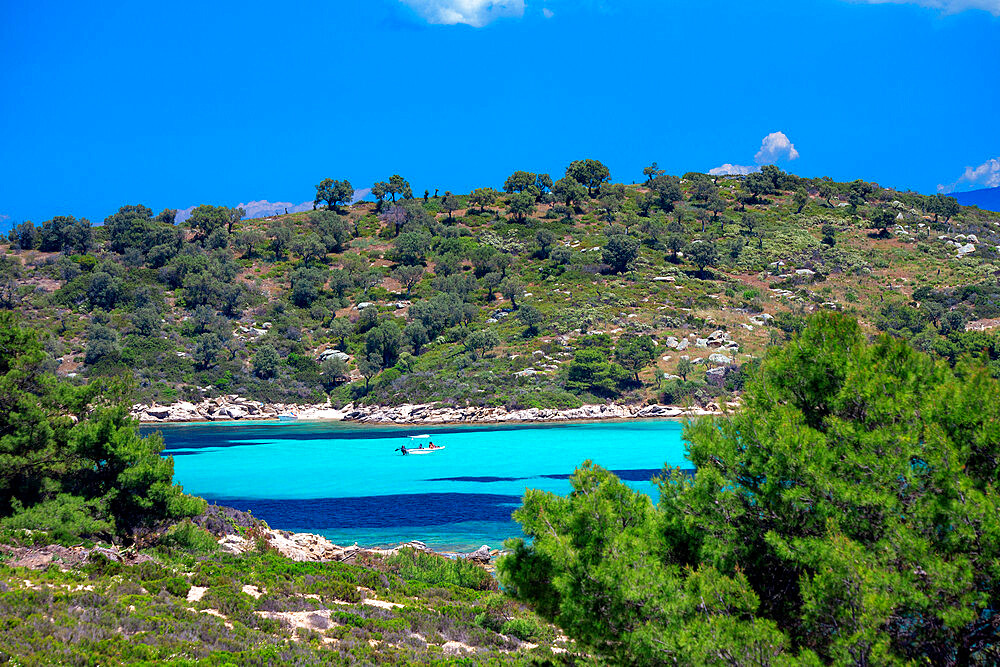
(158, 412)
(480, 555)
(720, 359)
(331, 353)
(233, 412)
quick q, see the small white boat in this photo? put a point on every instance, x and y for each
(287, 417)
(419, 449)
(423, 451)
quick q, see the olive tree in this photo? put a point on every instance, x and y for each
(334, 193)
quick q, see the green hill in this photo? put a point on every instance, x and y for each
(542, 295)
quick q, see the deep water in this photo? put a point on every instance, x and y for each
(348, 482)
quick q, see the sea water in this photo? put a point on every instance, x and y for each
(350, 483)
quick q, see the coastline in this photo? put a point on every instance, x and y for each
(235, 408)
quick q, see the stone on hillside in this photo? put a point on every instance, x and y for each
(701, 342)
(480, 555)
(966, 249)
(670, 342)
(683, 344)
(720, 359)
(329, 354)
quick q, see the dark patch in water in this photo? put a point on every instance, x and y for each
(240, 434)
(639, 475)
(475, 479)
(418, 509)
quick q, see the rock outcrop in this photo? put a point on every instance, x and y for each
(227, 408)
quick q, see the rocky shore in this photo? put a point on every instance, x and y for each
(232, 407)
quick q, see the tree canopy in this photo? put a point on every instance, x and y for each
(590, 174)
(334, 193)
(71, 459)
(848, 513)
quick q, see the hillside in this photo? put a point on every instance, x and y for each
(546, 294)
(188, 601)
(842, 515)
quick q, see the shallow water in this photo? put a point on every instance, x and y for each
(348, 482)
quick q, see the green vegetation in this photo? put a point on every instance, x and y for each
(494, 294)
(260, 608)
(846, 514)
(71, 461)
(74, 471)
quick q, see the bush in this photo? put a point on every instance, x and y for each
(437, 570)
(66, 518)
(176, 586)
(190, 538)
(522, 628)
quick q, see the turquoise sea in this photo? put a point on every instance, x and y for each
(348, 482)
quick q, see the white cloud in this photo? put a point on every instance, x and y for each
(986, 175)
(548, 13)
(946, 6)
(476, 13)
(774, 147)
(732, 169)
(263, 208)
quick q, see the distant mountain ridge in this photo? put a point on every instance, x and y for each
(987, 199)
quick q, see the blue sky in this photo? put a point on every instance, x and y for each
(183, 103)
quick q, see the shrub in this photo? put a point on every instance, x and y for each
(188, 537)
(522, 628)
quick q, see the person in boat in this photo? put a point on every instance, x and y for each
(432, 446)
(403, 449)
(421, 446)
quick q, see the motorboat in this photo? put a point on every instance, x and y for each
(410, 450)
(287, 417)
(420, 449)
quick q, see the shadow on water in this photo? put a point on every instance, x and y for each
(422, 509)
